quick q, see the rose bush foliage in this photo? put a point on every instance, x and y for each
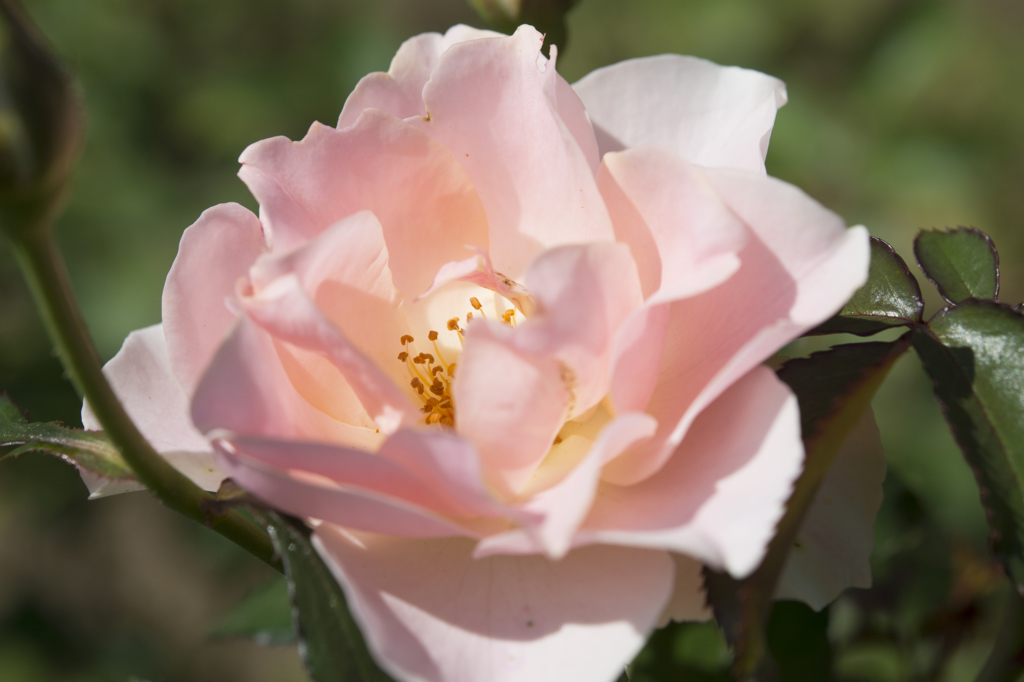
(499, 339)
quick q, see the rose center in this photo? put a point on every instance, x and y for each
(432, 376)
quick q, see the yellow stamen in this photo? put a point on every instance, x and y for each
(433, 339)
(475, 302)
(433, 382)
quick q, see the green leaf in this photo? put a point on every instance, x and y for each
(962, 263)
(890, 298)
(330, 643)
(87, 450)
(974, 354)
(265, 615)
(833, 387)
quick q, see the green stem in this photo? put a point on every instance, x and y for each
(1006, 662)
(47, 277)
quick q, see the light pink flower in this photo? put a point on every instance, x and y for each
(600, 428)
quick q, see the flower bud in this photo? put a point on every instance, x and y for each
(547, 16)
(40, 123)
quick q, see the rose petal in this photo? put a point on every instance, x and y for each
(140, 375)
(214, 253)
(571, 111)
(721, 494)
(284, 310)
(684, 238)
(833, 548)
(308, 495)
(426, 468)
(246, 391)
(636, 358)
(560, 509)
(685, 241)
(582, 295)
(426, 205)
(508, 404)
(479, 271)
(799, 266)
(200, 467)
(709, 114)
(446, 463)
(103, 487)
(689, 596)
(345, 272)
(500, 619)
(399, 91)
(489, 102)
(826, 261)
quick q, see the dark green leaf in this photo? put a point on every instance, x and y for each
(332, 648)
(833, 387)
(88, 450)
(962, 263)
(974, 354)
(890, 298)
(264, 615)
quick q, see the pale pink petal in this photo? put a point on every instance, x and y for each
(345, 272)
(685, 241)
(572, 112)
(284, 310)
(246, 391)
(721, 494)
(582, 295)
(799, 266)
(636, 358)
(426, 205)
(407, 468)
(683, 236)
(833, 547)
(430, 612)
(490, 103)
(312, 496)
(214, 253)
(560, 509)
(446, 463)
(689, 597)
(141, 377)
(399, 91)
(710, 115)
(460, 33)
(103, 487)
(479, 271)
(826, 262)
(510, 405)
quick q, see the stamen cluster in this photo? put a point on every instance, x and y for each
(431, 377)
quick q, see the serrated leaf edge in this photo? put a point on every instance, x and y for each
(951, 230)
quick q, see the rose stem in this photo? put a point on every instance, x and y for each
(46, 273)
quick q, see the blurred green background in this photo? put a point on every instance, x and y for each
(903, 114)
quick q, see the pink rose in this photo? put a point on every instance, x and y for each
(525, 494)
